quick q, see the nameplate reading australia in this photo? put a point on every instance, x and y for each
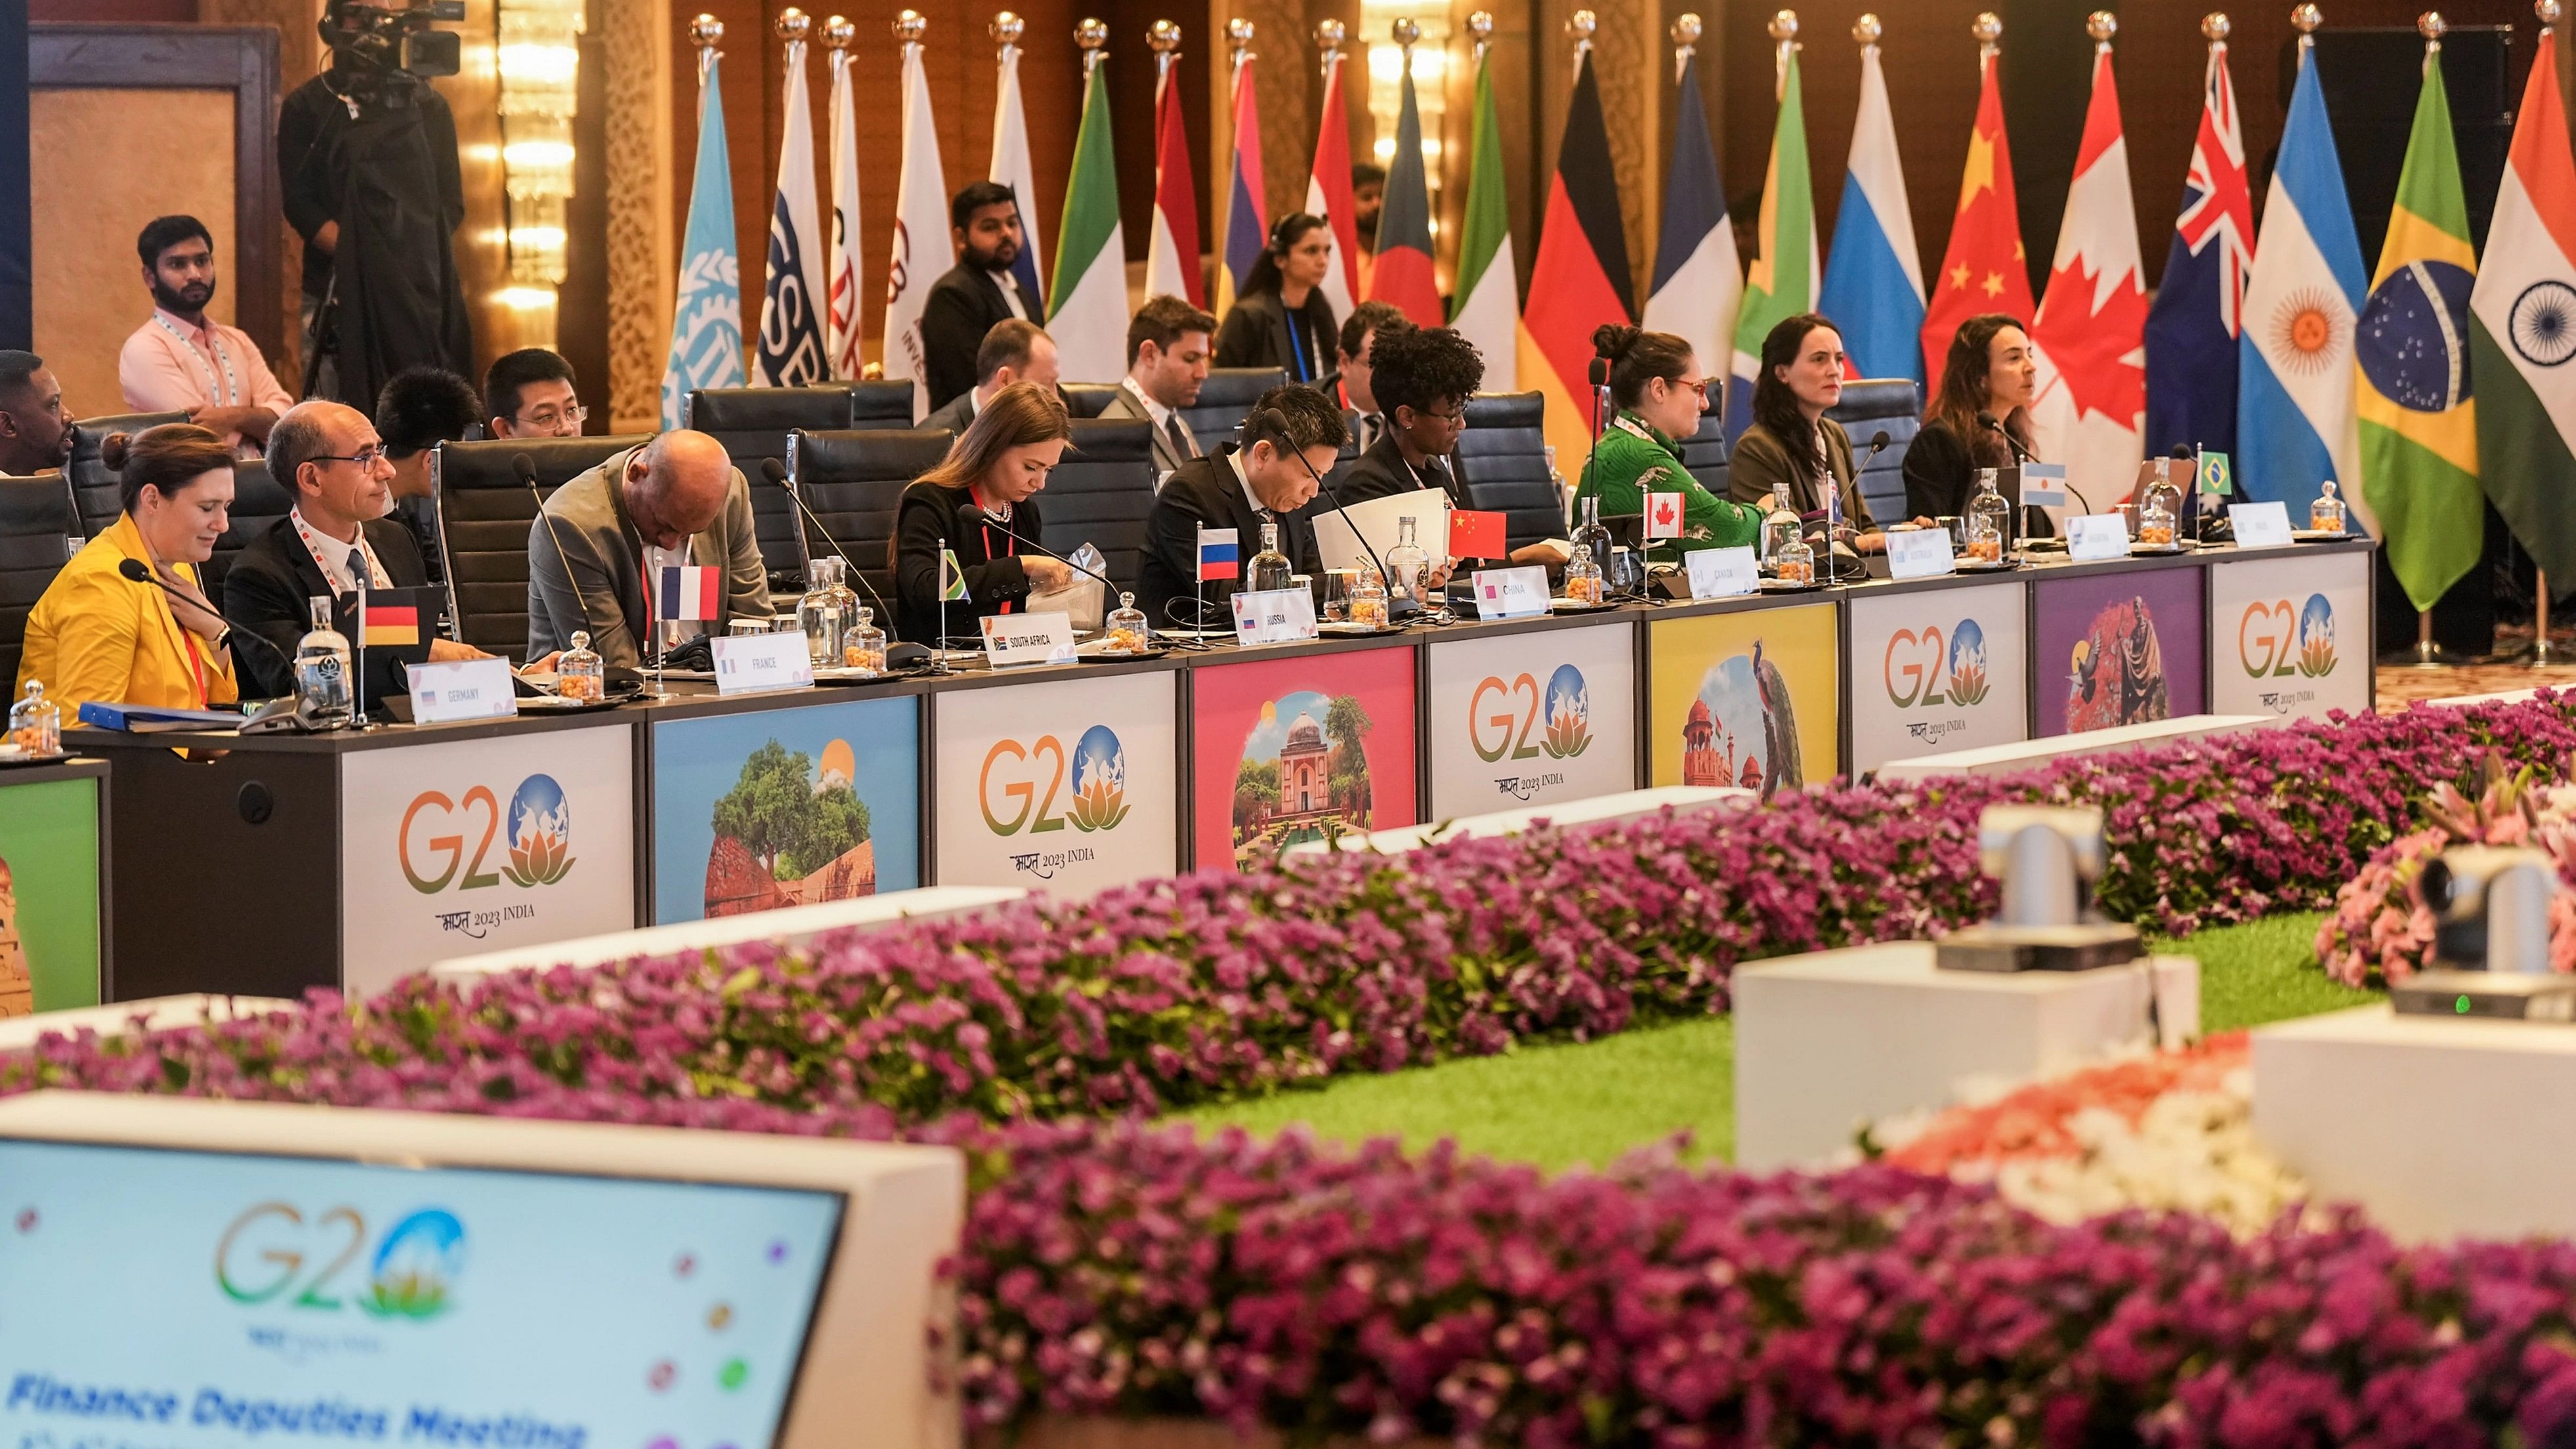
(756, 662)
(463, 689)
(1276, 616)
(1016, 639)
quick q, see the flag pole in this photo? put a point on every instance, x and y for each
(1163, 37)
(1329, 35)
(2428, 652)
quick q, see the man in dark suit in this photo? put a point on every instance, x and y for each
(1268, 478)
(329, 457)
(1355, 368)
(1168, 347)
(1423, 377)
(979, 291)
(1016, 350)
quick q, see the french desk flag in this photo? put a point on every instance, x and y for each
(1217, 556)
(690, 593)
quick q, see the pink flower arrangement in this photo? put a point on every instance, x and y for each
(2382, 931)
(2036, 1120)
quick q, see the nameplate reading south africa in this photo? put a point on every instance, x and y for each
(1016, 639)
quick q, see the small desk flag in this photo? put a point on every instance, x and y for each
(689, 593)
(1217, 556)
(1663, 515)
(1477, 535)
(952, 576)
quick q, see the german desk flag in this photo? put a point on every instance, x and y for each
(390, 619)
(1580, 279)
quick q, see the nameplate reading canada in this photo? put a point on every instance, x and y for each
(1277, 616)
(762, 661)
(463, 689)
(1016, 639)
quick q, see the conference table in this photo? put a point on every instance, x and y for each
(345, 860)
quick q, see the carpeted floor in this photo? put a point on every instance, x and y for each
(2400, 685)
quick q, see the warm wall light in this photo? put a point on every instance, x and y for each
(1386, 72)
(540, 65)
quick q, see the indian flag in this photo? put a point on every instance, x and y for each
(1488, 308)
(1087, 308)
(2522, 329)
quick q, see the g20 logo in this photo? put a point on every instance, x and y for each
(1925, 669)
(1014, 774)
(2272, 640)
(272, 1254)
(538, 840)
(1501, 717)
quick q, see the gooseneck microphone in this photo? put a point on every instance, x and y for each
(135, 570)
(972, 515)
(776, 472)
(1275, 422)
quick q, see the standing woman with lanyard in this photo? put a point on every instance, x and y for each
(980, 503)
(1282, 319)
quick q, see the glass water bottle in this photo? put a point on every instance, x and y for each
(1590, 533)
(863, 647)
(36, 723)
(2326, 514)
(325, 698)
(1408, 569)
(580, 673)
(1780, 526)
(826, 611)
(1989, 521)
(1582, 577)
(1369, 596)
(1269, 571)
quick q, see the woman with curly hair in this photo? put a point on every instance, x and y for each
(1422, 378)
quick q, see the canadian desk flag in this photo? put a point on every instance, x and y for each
(1663, 515)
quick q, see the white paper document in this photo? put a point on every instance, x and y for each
(1378, 521)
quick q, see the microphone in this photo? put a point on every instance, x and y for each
(1275, 422)
(137, 571)
(776, 472)
(972, 515)
(526, 469)
(1877, 445)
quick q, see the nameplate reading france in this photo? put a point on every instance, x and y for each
(2260, 525)
(2091, 536)
(1722, 573)
(1511, 593)
(1278, 616)
(463, 689)
(1015, 639)
(762, 661)
(1919, 553)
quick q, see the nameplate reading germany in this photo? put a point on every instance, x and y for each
(462, 689)
(1013, 639)
(1279, 616)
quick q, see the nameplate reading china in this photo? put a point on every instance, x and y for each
(2091, 536)
(1016, 639)
(1919, 553)
(1722, 573)
(2260, 525)
(762, 661)
(1279, 616)
(463, 689)
(1510, 593)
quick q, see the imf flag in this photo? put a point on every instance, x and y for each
(706, 320)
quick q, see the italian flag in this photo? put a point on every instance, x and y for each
(2522, 330)
(1488, 285)
(1087, 307)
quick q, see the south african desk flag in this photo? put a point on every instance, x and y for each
(952, 576)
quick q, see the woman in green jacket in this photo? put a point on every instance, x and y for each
(1659, 389)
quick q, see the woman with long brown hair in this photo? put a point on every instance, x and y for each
(996, 467)
(1986, 385)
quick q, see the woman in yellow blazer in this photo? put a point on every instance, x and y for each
(99, 635)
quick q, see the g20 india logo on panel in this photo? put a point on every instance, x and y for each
(1501, 716)
(273, 1253)
(448, 841)
(1039, 786)
(2273, 641)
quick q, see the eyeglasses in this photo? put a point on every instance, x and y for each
(364, 457)
(1697, 385)
(1457, 419)
(550, 419)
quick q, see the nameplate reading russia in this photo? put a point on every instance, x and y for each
(1015, 639)
(762, 661)
(463, 689)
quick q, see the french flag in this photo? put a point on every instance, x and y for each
(690, 594)
(1217, 556)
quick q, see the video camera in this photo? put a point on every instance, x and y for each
(393, 37)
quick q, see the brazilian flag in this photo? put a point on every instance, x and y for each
(2419, 432)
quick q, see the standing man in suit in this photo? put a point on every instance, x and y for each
(1016, 350)
(1424, 376)
(1268, 478)
(1355, 369)
(1168, 347)
(963, 305)
(677, 500)
(335, 538)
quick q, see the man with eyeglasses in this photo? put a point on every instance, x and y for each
(529, 394)
(328, 456)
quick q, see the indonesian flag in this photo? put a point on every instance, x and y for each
(1984, 269)
(1328, 194)
(1172, 256)
(2091, 404)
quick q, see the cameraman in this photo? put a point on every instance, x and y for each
(367, 154)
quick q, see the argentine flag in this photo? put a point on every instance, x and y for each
(1874, 278)
(706, 319)
(2295, 426)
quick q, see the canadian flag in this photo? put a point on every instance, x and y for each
(1663, 515)
(2090, 408)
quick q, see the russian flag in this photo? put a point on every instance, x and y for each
(1217, 556)
(1874, 278)
(689, 593)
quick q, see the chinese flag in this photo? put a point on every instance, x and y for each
(1476, 535)
(1984, 269)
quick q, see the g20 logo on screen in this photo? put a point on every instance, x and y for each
(1502, 715)
(274, 1253)
(1020, 784)
(433, 843)
(1923, 668)
(2273, 640)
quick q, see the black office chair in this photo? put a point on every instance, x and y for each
(885, 403)
(1228, 394)
(1704, 453)
(853, 479)
(753, 424)
(258, 505)
(484, 515)
(38, 531)
(1502, 464)
(1087, 399)
(1894, 404)
(1100, 495)
(93, 483)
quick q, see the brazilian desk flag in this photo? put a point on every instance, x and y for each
(2419, 434)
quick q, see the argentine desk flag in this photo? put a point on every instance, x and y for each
(2294, 415)
(706, 318)
(1874, 276)
(1699, 280)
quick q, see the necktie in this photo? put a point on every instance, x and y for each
(358, 578)
(1182, 446)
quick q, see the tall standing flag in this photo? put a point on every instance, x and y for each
(2091, 401)
(791, 327)
(1402, 274)
(1782, 280)
(1984, 269)
(1172, 252)
(2419, 429)
(1486, 291)
(1247, 225)
(1089, 303)
(1011, 153)
(1580, 278)
(2522, 326)
(706, 316)
(1328, 184)
(921, 247)
(1699, 279)
(2193, 326)
(842, 337)
(1874, 277)
(2294, 386)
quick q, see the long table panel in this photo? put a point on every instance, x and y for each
(1533, 718)
(2290, 637)
(53, 886)
(1298, 748)
(2117, 648)
(1751, 697)
(1065, 784)
(1938, 669)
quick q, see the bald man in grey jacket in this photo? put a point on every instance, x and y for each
(597, 547)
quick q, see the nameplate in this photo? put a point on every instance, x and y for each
(2094, 536)
(1722, 573)
(1278, 616)
(2260, 525)
(2043, 485)
(463, 689)
(756, 662)
(1919, 553)
(1510, 593)
(1011, 640)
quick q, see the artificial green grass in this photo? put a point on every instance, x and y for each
(1565, 1104)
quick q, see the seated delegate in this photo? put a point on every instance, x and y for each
(1987, 381)
(677, 500)
(980, 503)
(1422, 377)
(1792, 449)
(1656, 382)
(1268, 477)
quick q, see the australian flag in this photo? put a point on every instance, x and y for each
(2193, 327)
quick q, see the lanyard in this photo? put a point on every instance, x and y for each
(376, 575)
(1296, 342)
(187, 646)
(1010, 539)
(221, 392)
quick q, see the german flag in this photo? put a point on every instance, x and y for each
(1581, 278)
(391, 619)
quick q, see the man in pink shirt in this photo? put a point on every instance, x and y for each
(184, 361)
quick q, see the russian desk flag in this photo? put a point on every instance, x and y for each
(1874, 278)
(2193, 326)
(689, 593)
(2295, 426)
(1217, 560)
